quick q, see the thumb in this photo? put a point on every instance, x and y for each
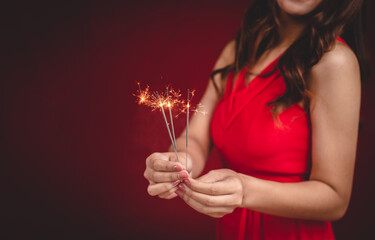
(211, 177)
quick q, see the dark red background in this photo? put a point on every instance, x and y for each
(73, 140)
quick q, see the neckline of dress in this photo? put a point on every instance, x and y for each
(241, 76)
(241, 97)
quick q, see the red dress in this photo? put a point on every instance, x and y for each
(245, 134)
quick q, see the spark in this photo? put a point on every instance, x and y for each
(171, 98)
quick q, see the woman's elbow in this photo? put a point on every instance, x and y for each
(339, 210)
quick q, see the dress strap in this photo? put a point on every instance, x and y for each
(341, 40)
(228, 86)
(240, 79)
(232, 91)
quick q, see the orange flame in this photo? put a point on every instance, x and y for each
(172, 99)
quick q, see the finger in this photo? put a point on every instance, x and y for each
(165, 166)
(160, 156)
(211, 176)
(167, 157)
(209, 200)
(211, 211)
(160, 188)
(167, 194)
(181, 160)
(145, 174)
(173, 195)
(160, 177)
(216, 188)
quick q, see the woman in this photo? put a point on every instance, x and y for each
(283, 111)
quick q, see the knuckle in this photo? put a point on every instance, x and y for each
(145, 174)
(153, 164)
(154, 176)
(209, 202)
(213, 190)
(152, 156)
(148, 159)
(149, 191)
(155, 154)
(156, 165)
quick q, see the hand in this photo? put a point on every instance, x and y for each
(164, 173)
(215, 194)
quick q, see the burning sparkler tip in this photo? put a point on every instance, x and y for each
(170, 98)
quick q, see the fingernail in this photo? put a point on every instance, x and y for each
(177, 168)
(181, 187)
(187, 182)
(179, 193)
(175, 183)
(182, 175)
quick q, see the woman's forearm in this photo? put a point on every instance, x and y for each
(311, 199)
(197, 155)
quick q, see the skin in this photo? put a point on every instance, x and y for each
(334, 112)
(298, 7)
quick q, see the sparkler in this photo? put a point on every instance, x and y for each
(170, 116)
(166, 123)
(171, 99)
(187, 123)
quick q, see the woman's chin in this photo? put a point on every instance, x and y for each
(298, 7)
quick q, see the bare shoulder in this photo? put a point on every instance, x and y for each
(335, 81)
(339, 65)
(227, 55)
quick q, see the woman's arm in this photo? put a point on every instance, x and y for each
(199, 125)
(335, 84)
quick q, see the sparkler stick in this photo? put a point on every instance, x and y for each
(187, 123)
(166, 123)
(170, 116)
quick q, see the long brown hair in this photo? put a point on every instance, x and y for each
(258, 33)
